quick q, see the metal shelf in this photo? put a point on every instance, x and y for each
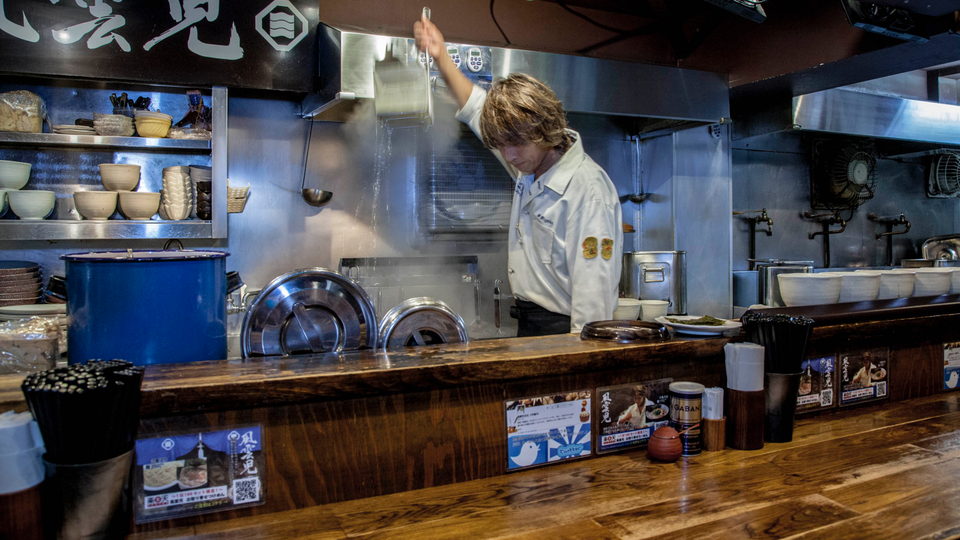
(87, 141)
(102, 230)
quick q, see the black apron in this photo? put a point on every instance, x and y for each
(537, 321)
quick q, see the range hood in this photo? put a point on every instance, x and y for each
(847, 112)
(659, 99)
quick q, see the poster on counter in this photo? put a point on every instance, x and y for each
(816, 384)
(864, 376)
(628, 414)
(548, 429)
(951, 365)
(196, 473)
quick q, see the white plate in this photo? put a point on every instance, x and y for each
(34, 309)
(696, 329)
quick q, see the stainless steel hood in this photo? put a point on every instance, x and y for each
(847, 112)
(662, 99)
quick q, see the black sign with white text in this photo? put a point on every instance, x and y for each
(264, 44)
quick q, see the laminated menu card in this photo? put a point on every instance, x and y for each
(816, 384)
(864, 376)
(195, 473)
(548, 429)
(951, 366)
(627, 414)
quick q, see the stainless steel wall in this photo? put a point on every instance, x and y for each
(772, 172)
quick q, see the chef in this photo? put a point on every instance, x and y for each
(566, 238)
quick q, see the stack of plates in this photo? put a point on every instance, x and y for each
(176, 202)
(113, 125)
(70, 129)
(57, 312)
(20, 283)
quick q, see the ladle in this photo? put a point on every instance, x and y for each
(314, 197)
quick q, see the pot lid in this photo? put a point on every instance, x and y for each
(421, 321)
(141, 255)
(779, 262)
(313, 310)
(624, 331)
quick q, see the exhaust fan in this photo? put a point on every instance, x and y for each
(944, 179)
(889, 21)
(748, 9)
(842, 177)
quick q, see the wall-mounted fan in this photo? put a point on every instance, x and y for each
(842, 175)
(944, 178)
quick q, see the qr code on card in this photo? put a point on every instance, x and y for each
(826, 398)
(881, 389)
(246, 490)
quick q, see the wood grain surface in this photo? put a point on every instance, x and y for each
(885, 472)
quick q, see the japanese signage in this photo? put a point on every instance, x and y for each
(548, 429)
(629, 413)
(267, 44)
(951, 365)
(184, 475)
(816, 384)
(864, 376)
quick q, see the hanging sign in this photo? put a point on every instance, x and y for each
(195, 473)
(266, 44)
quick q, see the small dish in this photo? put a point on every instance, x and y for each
(696, 329)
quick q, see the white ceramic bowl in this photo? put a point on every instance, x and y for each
(896, 283)
(932, 281)
(651, 309)
(32, 205)
(859, 286)
(139, 206)
(95, 205)
(628, 309)
(119, 176)
(14, 174)
(804, 289)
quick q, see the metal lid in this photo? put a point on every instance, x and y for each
(134, 255)
(624, 331)
(684, 387)
(421, 321)
(779, 262)
(313, 310)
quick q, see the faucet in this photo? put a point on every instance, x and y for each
(826, 220)
(752, 222)
(233, 308)
(889, 222)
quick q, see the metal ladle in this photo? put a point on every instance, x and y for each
(314, 197)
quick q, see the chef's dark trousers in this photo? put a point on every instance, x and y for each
(537, 321)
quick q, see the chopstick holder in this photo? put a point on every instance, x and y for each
(713, 423)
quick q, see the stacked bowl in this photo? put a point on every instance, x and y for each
(203, 178)
(113, 125)
(810, 289)
(29, 205)
(152, 124)
(177, 201)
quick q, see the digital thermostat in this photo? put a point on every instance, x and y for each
(475, 59)
(454, 53)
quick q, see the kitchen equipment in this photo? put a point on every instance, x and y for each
(14, 174)
(932, 281)
(401, 91)
(421, 321)
(497, 297)
(858, 286)
(768, 291)
(623, 331)
(696, 329)
(780, 406)
(628, 309)
(32, 205)
(149, 307)
(313, 310)
(119, 176)
(656, 275)
(651, 310)
(945, 247)
(895, 284)
(314, 197)
(95, 205)
(139, 205)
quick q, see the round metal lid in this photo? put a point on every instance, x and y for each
(421, 321)
(139, 255)
(686, 387)
(624, 331)
(313, 310)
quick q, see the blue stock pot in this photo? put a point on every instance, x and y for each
(147, 307)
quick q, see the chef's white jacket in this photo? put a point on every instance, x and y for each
(551, 219)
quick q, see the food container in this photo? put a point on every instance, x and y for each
(686, 401)
(22, 111)
(147, 307)
(656, 275)
(29, 345)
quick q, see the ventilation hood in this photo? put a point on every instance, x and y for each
(847, 112)
(659, 99)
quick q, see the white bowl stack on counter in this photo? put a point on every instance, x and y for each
(33, 204)
(804, 289)
(178, 201)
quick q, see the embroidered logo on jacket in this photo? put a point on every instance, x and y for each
(590, 247)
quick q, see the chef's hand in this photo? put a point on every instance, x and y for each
(429, 38)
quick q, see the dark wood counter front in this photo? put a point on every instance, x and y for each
(887, 472)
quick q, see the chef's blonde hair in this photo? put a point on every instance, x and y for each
(520, 109)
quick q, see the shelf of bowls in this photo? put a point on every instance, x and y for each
(807, 289)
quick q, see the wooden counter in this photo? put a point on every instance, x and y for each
(885, 472)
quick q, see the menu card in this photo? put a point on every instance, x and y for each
(196, 473)
(628, 414)
(816, 384)
(951, 365)
(864, 376)
(547, 429)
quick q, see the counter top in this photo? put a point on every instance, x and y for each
(886, 472)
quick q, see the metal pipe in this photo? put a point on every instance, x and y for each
(889, 222)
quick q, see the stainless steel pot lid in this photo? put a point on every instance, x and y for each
(313, 310)
(624, 331)
(421, 321)
(139, 255)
